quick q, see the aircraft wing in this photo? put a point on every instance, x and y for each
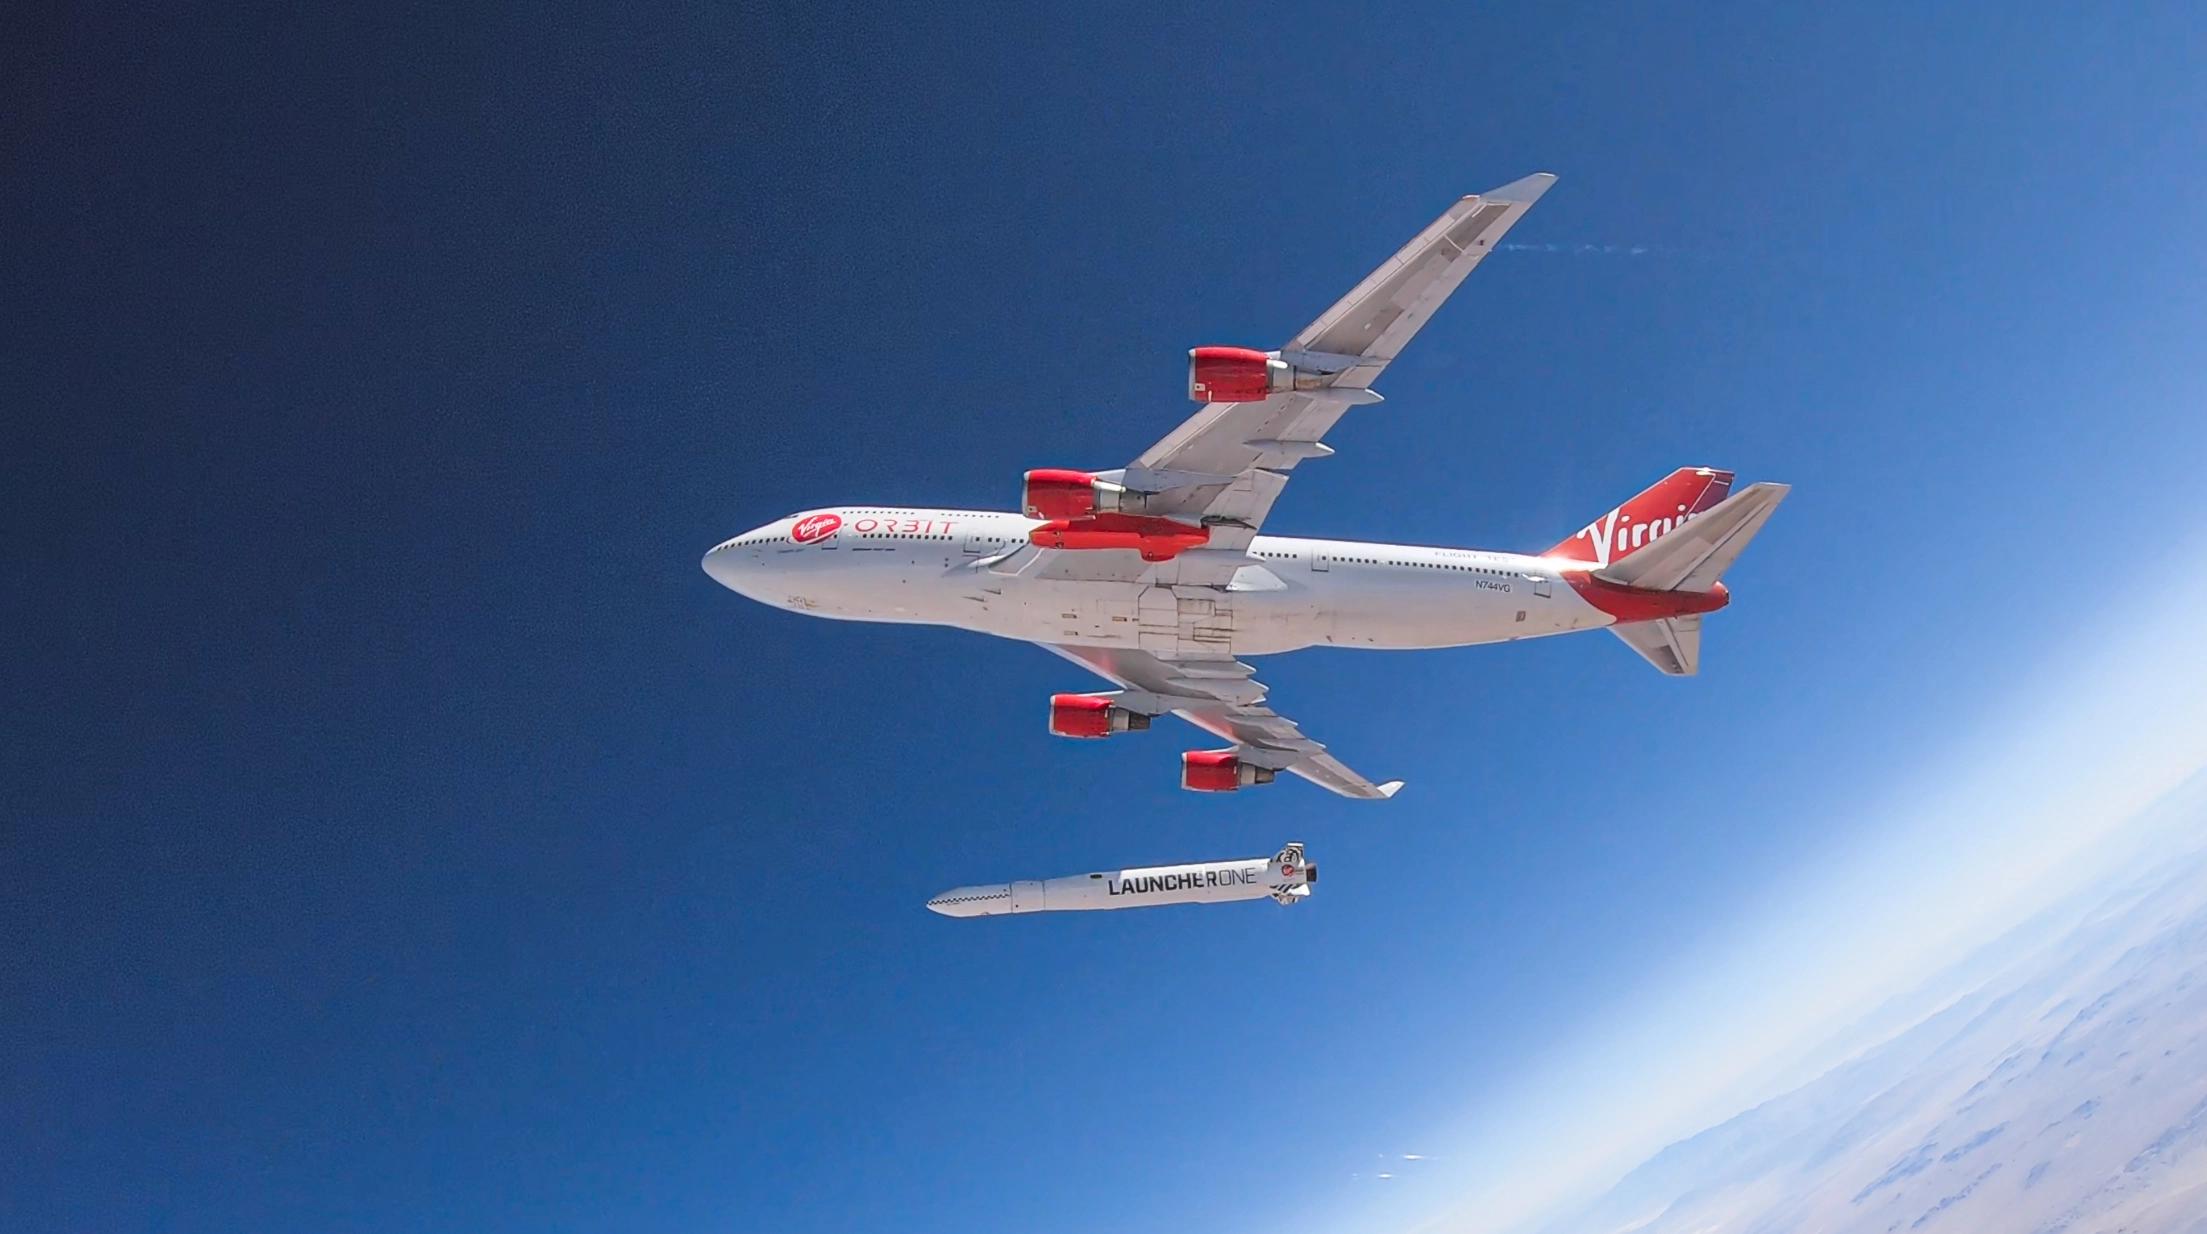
(1223, 697)
(1225, 466)
(1356, 339)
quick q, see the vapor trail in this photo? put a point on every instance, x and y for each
(1587, 250)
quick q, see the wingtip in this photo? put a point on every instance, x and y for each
(1389, 789)
(1527, 190)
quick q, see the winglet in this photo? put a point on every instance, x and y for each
(1390, 788)
(1527, 190)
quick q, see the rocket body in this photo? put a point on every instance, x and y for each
(1285, 877)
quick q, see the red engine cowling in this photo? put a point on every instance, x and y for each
(1218, 771)
(1057, 492)
(1156, 539)
(1235, 375)
(1086, 715)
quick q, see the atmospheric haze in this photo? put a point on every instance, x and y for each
(2058, 1084)
(1982, 1014)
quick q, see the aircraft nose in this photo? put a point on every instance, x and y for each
(729, 563)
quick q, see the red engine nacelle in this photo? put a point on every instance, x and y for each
(1086, 715)
(1218, 771)
(1057, 492)
(1246, 375)
(1235, 375)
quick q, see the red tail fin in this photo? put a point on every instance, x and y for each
(1634, 525)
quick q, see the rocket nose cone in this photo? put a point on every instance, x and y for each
(956, 902)
(973, 901)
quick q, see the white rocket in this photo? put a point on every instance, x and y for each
(1286, 877)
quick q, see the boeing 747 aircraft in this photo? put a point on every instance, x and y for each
(1155, 577)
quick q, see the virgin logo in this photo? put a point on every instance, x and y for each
(1617, 536)
(815, 527)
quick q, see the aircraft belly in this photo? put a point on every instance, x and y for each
(1097, 614)
(1387, 608)
(1384, 610)
(891, 587)
(1186, 622)
(1174, 621)
(1272, 621)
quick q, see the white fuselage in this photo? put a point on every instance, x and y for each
(943, 567)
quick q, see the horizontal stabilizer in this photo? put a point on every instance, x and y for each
(1695, 556)
(1672, 645)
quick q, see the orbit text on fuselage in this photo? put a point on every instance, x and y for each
(903, 526)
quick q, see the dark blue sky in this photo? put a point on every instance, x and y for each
(403, 833)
